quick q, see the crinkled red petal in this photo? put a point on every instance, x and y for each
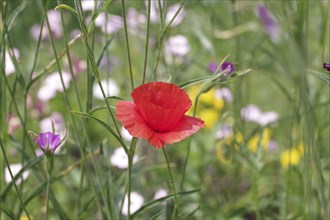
(162, 105)
(132, 120)
(186, 127)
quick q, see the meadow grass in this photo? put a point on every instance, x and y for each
(264, 152)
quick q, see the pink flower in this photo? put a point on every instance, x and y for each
(157, 114)
(48, 141)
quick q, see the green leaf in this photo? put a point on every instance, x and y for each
(96, 14)
(67, 7)
(86, 115)
(7, 211)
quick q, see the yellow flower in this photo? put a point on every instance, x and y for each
(210, 117)
(23, 218)
(221, 154)
(290, 157)
(224, 146)
(264, 139)
(206, 100)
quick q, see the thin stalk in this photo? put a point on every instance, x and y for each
(176, 201)
(130, 166)
(127, 44)
(47, 194)
(147, 44)
(14, 182)
(164, 31)
(189, 145)
(75, 126)
(91, 59)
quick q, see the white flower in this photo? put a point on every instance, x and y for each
(109, 24)
(224, 132)
(10, 67)
(120, 158)
(160, 194)
(52, 84)
(225, 94)
(15, 169)
(88, 5)
(268, 118)
(177, 46)
(46, 123)
(252, 113)
(109, 86)
(134, 18)
(54, 18)
(13, 123)
(171, 11)
(136, 203)
(125, 134)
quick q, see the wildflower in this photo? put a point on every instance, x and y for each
(227, 68)
(54, 18)
(263, 140)
(227, 140)
(125, 134)
(53, 84)
(9, 65)
(48, 142)
(177, 45)
(170, 13)
(210, 116)
(13, 123)
(15, 169)
(290, 157)
(134, 18)
(269, 23)
(88, 5)
(223, 132)
(55, 120)
(160, 194)
(136, 203)
(326, 66)
(120, 158)
(209, 105)
(109, 86)
(109, 24)
(252, 113)
(225, 94)
(157, 114)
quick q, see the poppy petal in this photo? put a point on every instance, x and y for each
(186, 127)
(162, 105)
(132, 120)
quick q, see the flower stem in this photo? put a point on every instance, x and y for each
(127, 45)
(130, 164)
(176, 201)
(47, 194)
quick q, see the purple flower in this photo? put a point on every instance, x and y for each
(212, 67)
(226, 67)
(48, 141)
(269, 23)
(326, 66)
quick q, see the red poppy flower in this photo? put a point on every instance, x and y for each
(157, 114)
